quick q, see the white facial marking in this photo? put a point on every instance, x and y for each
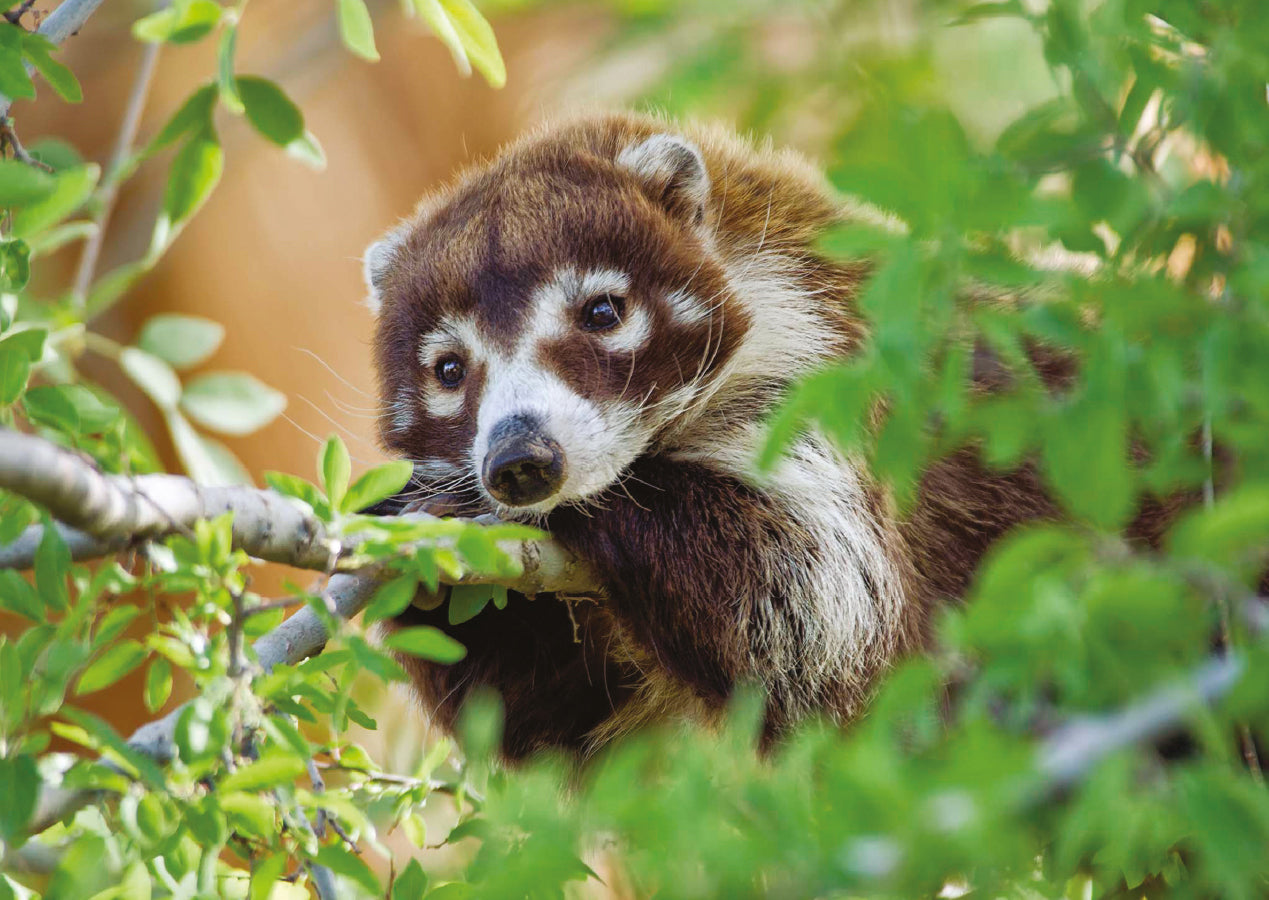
(376, 262)
(460, 337)
(687, 308)
(598, 442)
(631, 334)
(402, 410)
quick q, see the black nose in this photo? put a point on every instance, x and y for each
(522, 465)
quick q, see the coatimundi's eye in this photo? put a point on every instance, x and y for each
(602, 313)
(450, 371)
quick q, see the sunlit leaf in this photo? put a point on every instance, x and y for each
(231, 402)
(427, 642)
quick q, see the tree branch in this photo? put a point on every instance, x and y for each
(299, 637)
(108, 512)
(1079, 745)
(60, 24)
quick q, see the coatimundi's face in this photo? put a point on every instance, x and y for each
(545, 319)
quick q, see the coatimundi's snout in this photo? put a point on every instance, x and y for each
(523, 465)
(590, 331)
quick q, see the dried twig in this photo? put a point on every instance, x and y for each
(119, 158)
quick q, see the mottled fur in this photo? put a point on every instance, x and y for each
(805, 582)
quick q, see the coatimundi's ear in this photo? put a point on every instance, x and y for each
(376, 262)
(674, 173)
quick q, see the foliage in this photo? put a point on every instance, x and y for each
(1139, 166)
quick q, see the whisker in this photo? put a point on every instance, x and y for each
(328, 368)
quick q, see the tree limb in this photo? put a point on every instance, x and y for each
(1079, 745)
(108, 512)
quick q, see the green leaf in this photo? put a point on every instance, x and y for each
(411, 883)
(467, 600)
(350, 866)
(73, 187)
(267, 772)
(52, 562)
(265, 874)
(113, 623)
(118, 660)
(179, 340)
(181, 23)
(38, 50)
(15, 83)
(55, 238)
(207, 461)
(28, 341)
(15, 369)
(979, 11)
(152, 375)
(104, 735)
(20, 787)
(51, 405)
(18, 352)
(158, 683)
(270, 110)
(335, 469)
(294, 486)
(15, 265)
(17, 596)
(194, 115)
(231, 402)
(202, 731)
(427, 642)
(379, 483)
(467, 34)
(194, 174)
(93, 415)
(356, 29)
(391, 599)
(225, 70)
(307, 150)
(21, 183)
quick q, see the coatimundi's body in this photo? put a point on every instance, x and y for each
(588, 333)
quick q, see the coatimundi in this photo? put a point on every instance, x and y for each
(588, 332)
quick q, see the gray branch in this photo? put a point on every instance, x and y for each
(1071, 751)
(61, 24)
(102, 514)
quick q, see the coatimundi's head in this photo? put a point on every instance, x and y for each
(544, 319)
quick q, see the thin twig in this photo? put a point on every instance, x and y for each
(9, 139)
(118, 159)
(14, 16)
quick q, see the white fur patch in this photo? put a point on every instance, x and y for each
(402, 411)
(442, 402)
(633, 332)
(376, 262)
(849, 602)
(686, 308)
(598, 443)
(671, 165)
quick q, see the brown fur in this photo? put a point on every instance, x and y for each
(705, 573)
